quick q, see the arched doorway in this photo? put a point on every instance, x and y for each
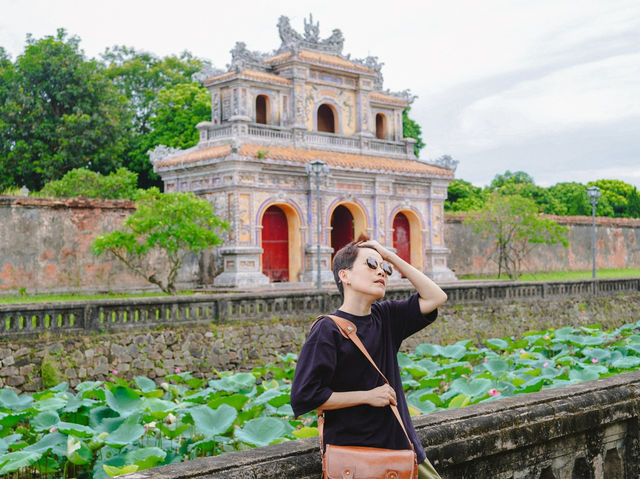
(402, 237)
(262, 109)
(326, 120)
(342, 227)
(381, 126)
(275, 243)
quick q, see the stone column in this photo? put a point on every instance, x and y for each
(241, 267)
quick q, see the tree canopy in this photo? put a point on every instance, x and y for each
(58, 112)
(618, 199)
(170, 224)
(410, 129)
(61, 111)
(514, 226)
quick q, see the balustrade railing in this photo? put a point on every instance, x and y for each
(216, 134)
(140, 313)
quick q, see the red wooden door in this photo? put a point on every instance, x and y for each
(341, 228)
(275, 242)
(402, 237)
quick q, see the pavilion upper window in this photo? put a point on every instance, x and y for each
(381, 126)
(326, 120)
(263, 109)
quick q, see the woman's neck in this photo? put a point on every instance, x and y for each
(356, 305)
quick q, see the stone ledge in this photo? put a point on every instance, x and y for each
(476, 439)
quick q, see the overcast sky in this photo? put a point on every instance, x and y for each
(550, 87)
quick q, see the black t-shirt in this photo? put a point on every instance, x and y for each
(330, 362)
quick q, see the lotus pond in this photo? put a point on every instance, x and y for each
(104, 429)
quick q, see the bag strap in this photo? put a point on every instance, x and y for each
(348, 330)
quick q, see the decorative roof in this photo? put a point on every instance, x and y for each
(381, 97)
(294, 155)
(321, 58)
(249, 75)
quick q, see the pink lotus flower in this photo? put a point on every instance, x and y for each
(594, 360)
(486, 360)
(177, 370)
(114, 372)
(545, 365)
(522, 351)
(546, 337)
(53, 429)
(494, 392)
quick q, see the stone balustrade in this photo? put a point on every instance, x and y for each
(143, 313)
(211, 135)
(586, 431)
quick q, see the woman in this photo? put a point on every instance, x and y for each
(332, 373)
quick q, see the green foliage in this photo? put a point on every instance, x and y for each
(572, 199)
(172, 224)
(59, 112)
(121, 184)
(463, 196)
(514, 226)
(49, 372)
(410, 129)
(615, 197)
(619, 199)
(141, 77)
(180, 108)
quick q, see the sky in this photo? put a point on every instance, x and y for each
(549, 87)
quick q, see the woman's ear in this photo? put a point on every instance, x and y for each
(343, 274)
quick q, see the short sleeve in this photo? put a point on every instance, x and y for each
(315, 368)
(406, 318)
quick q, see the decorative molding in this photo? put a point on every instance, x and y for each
(161, 152)
(292, 41)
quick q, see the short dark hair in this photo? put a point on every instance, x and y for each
(344, 259)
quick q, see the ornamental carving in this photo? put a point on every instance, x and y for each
(243, 59)
(161, 152)
(294, 42)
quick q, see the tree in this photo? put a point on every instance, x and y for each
(173, 225)
(121, 184)
(615, 195)
(463, 196)
(59, 113)
(410, 129)
(141, 77)
(180, 108)
(514, 225)
(571, 198)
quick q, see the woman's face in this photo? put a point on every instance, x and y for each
(363, 279)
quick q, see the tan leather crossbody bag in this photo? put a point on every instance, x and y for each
(355, 462)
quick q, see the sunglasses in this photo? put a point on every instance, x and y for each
(372, 263)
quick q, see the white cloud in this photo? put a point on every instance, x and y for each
(597, 92)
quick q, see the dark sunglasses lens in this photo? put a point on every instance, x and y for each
(387, 268)
(372, 263)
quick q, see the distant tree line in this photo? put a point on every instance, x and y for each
(618, 199)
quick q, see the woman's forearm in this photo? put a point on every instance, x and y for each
(431, 295)
(378, 397)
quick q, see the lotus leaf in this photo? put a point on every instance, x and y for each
(209, 422)
(13, 461)
(263, 431)
(10, 400)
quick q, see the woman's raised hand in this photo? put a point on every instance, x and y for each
(381, 396)
(384, 252)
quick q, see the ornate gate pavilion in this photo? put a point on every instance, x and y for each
(274, 117)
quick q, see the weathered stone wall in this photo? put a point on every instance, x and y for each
(46, 246)
(585, 431)
(617, 239)
(236, 345)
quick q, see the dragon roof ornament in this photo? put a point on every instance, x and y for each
(294, 42)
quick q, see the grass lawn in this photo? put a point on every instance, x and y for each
(44, 298)
(563, 275)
